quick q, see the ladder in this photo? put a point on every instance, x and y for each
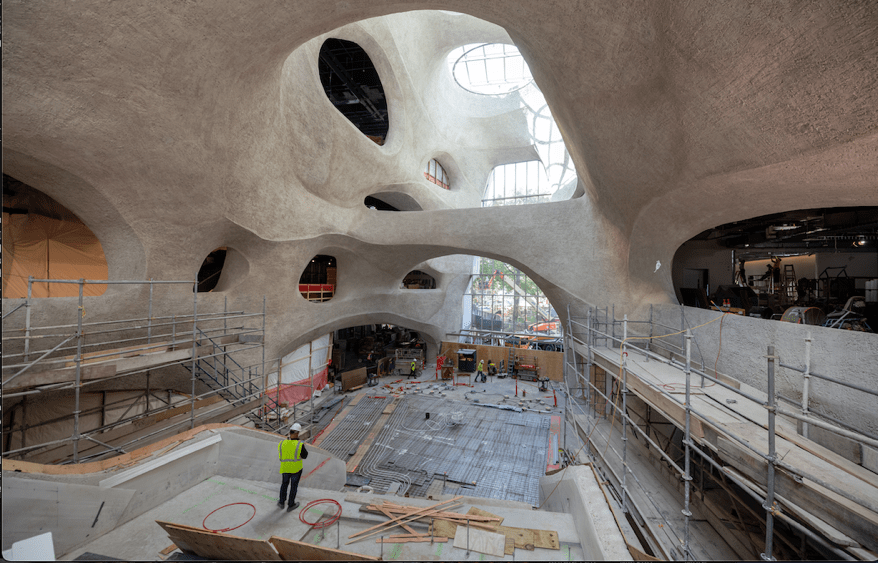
(789, 283)
(510, 363)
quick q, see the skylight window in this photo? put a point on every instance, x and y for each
(492, 69)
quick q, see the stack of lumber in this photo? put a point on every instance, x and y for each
(445, 523)
(404, 517)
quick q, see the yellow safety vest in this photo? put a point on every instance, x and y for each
(290, 454)
(482, 365)
(413, 365)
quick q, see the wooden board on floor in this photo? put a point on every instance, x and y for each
(291, 550)
(480, 541)
(215, 545)
(370, 438)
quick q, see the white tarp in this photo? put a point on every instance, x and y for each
(294, 366)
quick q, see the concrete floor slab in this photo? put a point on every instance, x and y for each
(142, 539)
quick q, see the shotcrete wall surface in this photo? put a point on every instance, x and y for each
(740, 352)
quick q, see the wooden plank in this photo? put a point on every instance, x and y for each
(405, 527)
(411, 540)
(850, 518)
(831, 457)
(480, 541)
(836, 536)
(423, 511)
(168, 549)
(62, 375)
(216, 545)
(291, 550)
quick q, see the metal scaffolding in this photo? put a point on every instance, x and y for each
(582, 337)
(209, 361)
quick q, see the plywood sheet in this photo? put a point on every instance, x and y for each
(354, 378)
(480, 541)
(291, 550)
(215, 545)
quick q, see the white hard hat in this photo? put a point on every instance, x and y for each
(296, 427)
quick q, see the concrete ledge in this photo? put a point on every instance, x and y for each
(578, 493)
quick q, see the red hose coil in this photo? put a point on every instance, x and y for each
(319, 525)
(204, 522)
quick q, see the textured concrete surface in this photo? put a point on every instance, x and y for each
(174, 129)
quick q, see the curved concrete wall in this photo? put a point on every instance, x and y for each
(172, 129)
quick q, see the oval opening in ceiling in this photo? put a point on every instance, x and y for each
(492, 69)
(352, 84)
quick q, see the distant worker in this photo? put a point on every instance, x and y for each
(480, 372)
(492, 368)
(291, 452)
(414, 366)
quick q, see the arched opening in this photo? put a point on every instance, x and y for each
(211, 269)
(417, 279)
(318, 280)
(765, 266)
(45, 240)
(352, 84)
(392, 201)
(364, 354)
(503, 306)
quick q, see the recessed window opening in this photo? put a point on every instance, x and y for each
(436, 174)
(45, 240)
(417, 279)
(517, 184)
(318, 280)
(375, 203)
(211, 269)
(787, 266)
(491, 69)
(352, 84)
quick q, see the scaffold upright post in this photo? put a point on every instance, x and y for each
(623, 346)
(30, 287)
(264, 375)
(687, 477)
(806, 385)
(149, 315)
(194, 351)
(649, 341)
(78, 382)
(772, 459)
(588, 361)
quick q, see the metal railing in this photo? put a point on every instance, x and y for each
(587, 335)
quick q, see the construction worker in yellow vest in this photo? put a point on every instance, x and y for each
(481, 371)
(291, 452)
(414, 367)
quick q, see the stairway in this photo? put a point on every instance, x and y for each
(211, 370)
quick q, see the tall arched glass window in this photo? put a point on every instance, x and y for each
(436, 174)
